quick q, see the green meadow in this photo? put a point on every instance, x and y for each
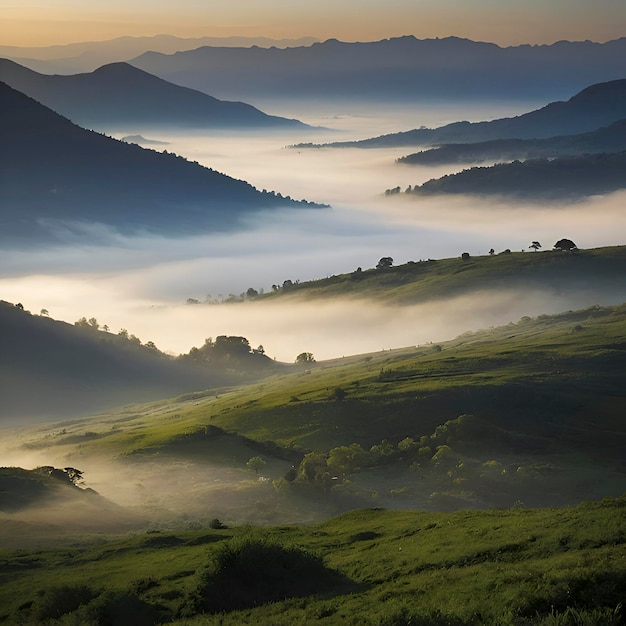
(499, 566)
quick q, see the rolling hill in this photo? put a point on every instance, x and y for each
(608, 139)
(400, 68)
(592, 108)
(120, 95)
(56, 176)
(531, 412)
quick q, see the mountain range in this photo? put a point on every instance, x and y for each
(119, 94)
(55, 175)
(592, 108)
(401, 68)
(89, 55)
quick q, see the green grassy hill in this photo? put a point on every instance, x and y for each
(531, 411)
(592, 269)
(368, 567)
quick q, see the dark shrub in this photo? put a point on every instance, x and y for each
(247, 572)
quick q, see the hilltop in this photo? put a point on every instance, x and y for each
(47, 192)
(431, 279)
(120, 95)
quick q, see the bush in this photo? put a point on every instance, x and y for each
(247, 572)
(57, 601)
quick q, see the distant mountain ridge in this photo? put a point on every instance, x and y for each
(55, 175)
(592, 108)
(120, 94)
(401, 68)
(608, 139)
(89, 55)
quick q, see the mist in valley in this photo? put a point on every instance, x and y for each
(141, 283)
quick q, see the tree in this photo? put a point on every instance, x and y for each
(251, 292)
(492, 252)
(44, 313)
(566, 245)
(304, 358)
(535, 245)
(74, 475)
(384, 263)
(256, 463)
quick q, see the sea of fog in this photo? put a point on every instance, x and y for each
(142, 283)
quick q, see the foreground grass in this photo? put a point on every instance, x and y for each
(516, 566)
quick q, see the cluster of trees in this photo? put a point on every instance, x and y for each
(232, 352)
(441, 455)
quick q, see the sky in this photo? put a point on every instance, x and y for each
(505, 22)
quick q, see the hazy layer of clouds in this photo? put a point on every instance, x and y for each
(141, 283)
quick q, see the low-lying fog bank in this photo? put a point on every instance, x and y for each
(328, 328)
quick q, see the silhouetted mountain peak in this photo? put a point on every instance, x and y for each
(601, 91)
(122, 94)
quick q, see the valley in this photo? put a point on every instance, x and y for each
(262, 361)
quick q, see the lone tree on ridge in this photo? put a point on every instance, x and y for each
(566, 245)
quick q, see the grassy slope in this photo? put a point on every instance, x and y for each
(515, 566)
(563, 365)
(548, 395)
(433, 279)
